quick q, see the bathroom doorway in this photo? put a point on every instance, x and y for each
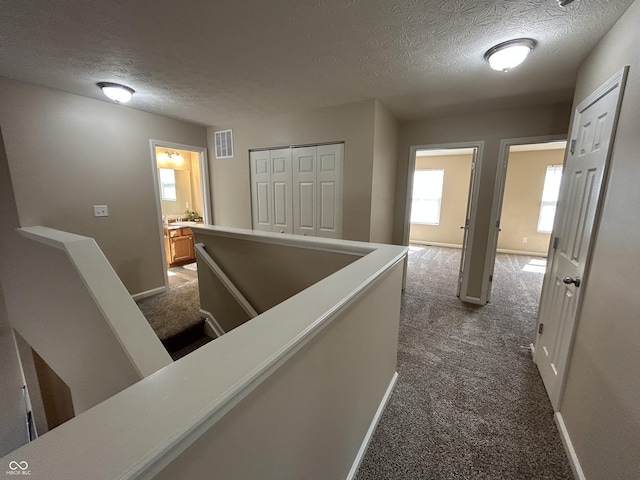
(181, 179)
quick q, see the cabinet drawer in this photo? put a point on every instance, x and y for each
(180, 232)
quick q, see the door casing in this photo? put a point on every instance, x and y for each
(471, 206)
(498, 197)
(205, 190)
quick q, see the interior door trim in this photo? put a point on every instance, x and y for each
(473, 199)
(498, 197)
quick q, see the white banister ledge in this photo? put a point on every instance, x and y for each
(133, 332)
(141, 430)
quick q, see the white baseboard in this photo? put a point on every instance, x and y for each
(211, 326)
(149, 293)
(499, 250)
(434, 244)
(522, 252)
(372, 428)
(568, 447)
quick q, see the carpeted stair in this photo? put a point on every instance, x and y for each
(175, 317)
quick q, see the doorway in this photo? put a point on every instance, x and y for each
(441, 198)
(181, 180)
(526, 198)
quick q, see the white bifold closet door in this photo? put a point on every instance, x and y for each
(271, 198)
(298, 190)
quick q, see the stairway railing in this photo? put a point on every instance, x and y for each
(202, 254)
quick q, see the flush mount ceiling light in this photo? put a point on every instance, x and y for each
(506, 55)
(116, 92)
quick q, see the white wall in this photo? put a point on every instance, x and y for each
(601, 403)
(67, 153)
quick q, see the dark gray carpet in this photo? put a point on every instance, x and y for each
(173, 311)
(469, 402)
(175, 317)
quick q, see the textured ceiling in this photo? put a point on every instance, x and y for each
(215, 61)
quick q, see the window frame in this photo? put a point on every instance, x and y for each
(167, 186)
(547, 189)
(437, 199)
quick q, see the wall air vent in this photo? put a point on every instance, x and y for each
(224, 144)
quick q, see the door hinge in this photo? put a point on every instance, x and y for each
(556, 240)
(573, 147)
(540, 328)
(490, 278)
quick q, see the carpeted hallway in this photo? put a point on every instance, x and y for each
(469, 402)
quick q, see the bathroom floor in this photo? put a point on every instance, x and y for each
(182, 274)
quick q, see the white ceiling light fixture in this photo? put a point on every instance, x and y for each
(116, 92)
(507, 55)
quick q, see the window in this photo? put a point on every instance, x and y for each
(550, 194)
(427, 196)
(168, 184)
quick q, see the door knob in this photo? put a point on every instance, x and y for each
(569, 281)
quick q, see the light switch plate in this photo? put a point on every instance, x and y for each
(100, 211)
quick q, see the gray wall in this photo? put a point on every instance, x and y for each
(385, 148)
(13, 432)
(67, 153)
(352, 123)
(489, 127)
(601, 403)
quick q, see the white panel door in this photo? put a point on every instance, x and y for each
(329, 187)
(305, 161)
(261, 190)
(588, 155)
(281, 190)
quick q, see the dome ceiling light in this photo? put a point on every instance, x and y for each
(507, 55)
(116, 92)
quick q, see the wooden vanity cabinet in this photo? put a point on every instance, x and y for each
(179, 245)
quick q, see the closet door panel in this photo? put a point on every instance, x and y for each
(306, 206)
(304, 190)
(329, 180)
(261, 198)
(281, 190)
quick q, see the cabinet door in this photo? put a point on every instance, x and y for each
(304, 190)
(329, 185)
(261, 198)
(182, 248)
(281, 190)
